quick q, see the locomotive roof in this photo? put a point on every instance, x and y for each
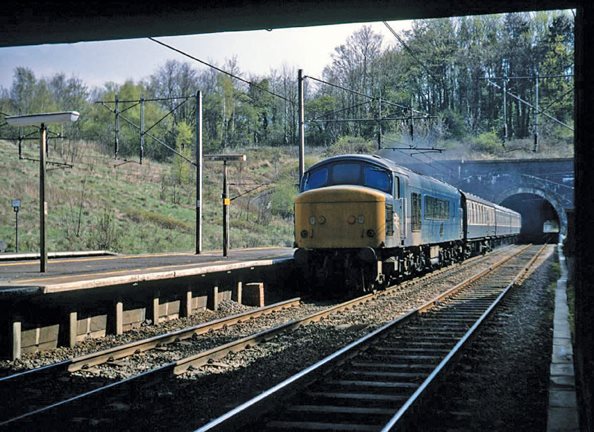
(373, 159)
(380, 161)
(398, 169)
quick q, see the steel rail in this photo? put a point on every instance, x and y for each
(100, 390)
(267, 400)
(182, 365)
(121, 351)
(136, 347)
(42, 370)
(454, 290)
(118, 352)
(439, 272)
(414, 399)
(200, 359)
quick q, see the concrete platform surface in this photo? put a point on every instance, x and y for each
(563, 412)
(21, 256)
(65, 274)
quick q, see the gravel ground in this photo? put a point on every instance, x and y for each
(138, 363)
(192, 399)
(33, 360)
(501, 384)
(147, 330)
(207, 392)
(54, 390)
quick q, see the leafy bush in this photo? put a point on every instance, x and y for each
(487, 142)
(454, 124)
(105, 234)
(160, 219)
(350, 144)
(281, 201)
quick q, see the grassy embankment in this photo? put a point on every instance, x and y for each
(101, 203)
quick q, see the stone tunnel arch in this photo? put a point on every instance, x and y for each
(552, 200)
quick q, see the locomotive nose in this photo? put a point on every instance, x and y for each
(340, 217)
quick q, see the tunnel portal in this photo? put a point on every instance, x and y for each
(540, 221)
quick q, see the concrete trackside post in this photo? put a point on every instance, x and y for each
(253, 294)
(213, 299)
(237, 293)
(16, 340)
(186, 309)
(119, 318)
(72, 328)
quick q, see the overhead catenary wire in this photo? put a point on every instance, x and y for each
(166, 115)
(530, 77)
(321, 116)
(218, 69)
(131, 123)
(161, 99)
(338, 87)
(412, 54)
(559, 99)
(531, 106)
(159, 141)
(437, 165)
(146, 132)
(371, 98)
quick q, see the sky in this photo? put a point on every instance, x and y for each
(257, 52)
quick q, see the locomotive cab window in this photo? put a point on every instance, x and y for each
(377, 178)
(315, 179)
(348, 173)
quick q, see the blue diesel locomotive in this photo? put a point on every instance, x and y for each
(365, 221)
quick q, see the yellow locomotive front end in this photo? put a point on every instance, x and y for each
(340, 217)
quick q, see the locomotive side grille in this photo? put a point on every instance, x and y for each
(389, 220)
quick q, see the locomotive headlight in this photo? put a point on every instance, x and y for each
(304, 234)
(370, 233)
(351, 220)
(312, 220)
(322, 220)
(361, 219)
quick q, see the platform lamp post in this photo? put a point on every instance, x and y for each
(16, 206)
(226, 199)
(41, 121)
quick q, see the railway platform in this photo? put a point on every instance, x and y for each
(563, 408)
(97, 294)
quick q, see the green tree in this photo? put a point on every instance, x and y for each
(22, 91)
(283, 196)
(181, 168)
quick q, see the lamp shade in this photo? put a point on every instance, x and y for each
(44, 118)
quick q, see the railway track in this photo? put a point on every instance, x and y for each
(378, 382)
(13, 388)
(92, 391)
(140, 382)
